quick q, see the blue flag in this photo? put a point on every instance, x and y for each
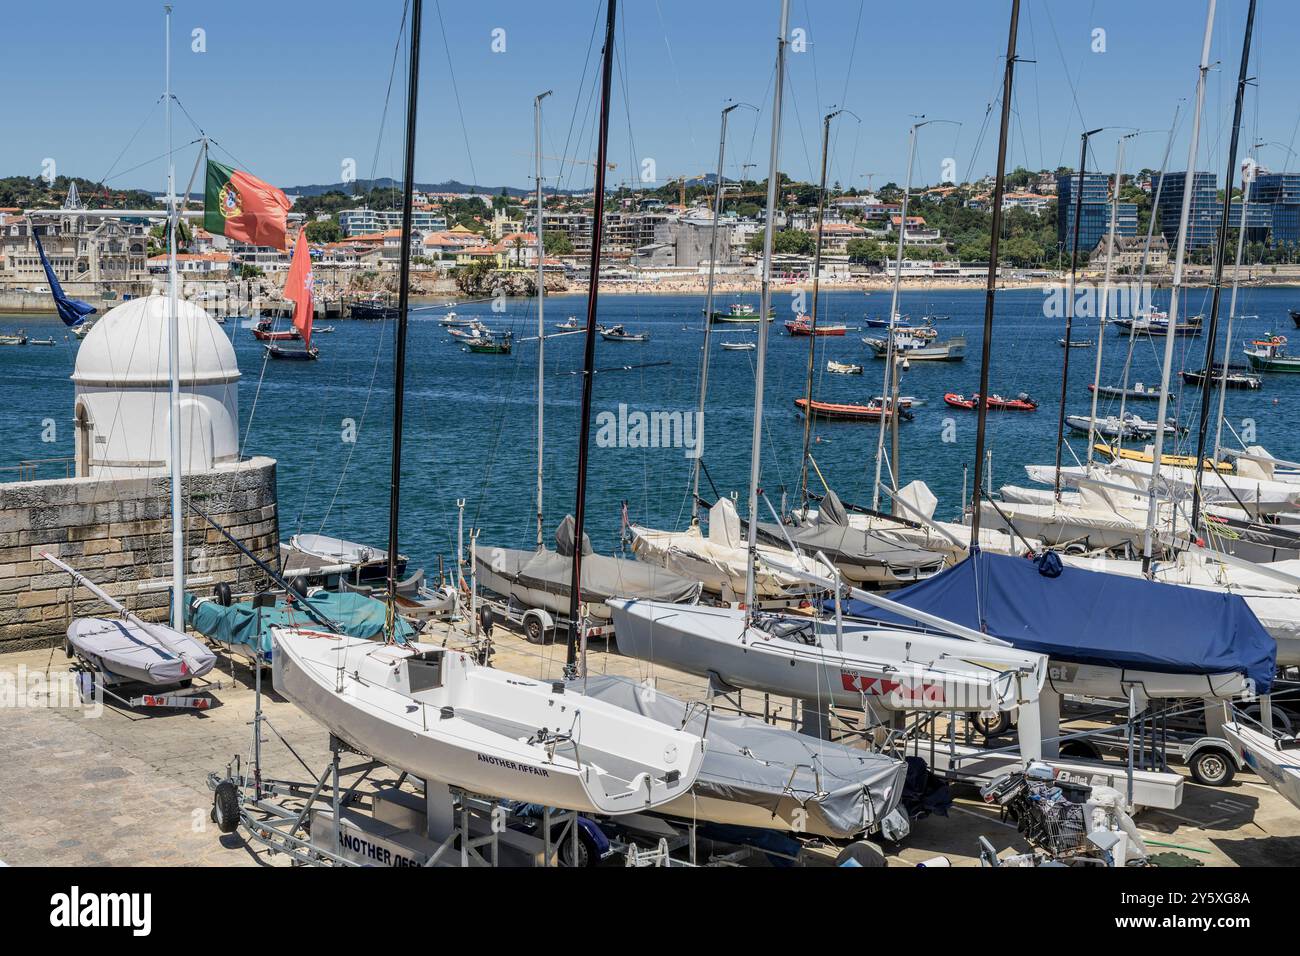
(71, 311)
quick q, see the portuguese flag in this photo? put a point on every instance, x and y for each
(244, 208)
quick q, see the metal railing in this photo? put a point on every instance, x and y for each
(29, 469)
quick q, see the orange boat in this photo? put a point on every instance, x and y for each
(848, 413)
(1022, 403)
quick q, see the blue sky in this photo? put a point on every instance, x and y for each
(291, 88)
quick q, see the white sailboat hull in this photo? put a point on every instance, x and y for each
(877, 667)
(437, 714)
(719, 568)
(1280, 768)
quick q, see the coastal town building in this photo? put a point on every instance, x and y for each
(1094, 217)
(1130, 251)
(361, 221)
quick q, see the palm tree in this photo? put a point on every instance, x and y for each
(519, 250)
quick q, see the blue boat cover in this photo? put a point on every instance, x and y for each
(354, 614)
(1090, 617)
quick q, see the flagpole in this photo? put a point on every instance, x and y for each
(173, 353)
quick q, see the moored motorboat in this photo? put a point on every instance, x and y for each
(1238, 377)
(803, 326)
(293, 355)
(1270, 355)
(1138, 391)
(844, 368)
(618, 333)
(739, 346)
(849, 412)
(265, 332)
(740, 313)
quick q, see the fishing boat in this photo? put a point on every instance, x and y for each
(1238, 377)
(452, 319)
(19, 339)
(739, 346)
(917, 350)
(1270, 355)
(541, 579)
(803, 326)
(489, 346)
(843, 368)
(473, 330)
(740, 313)
(1275, 759)
(372, 310)
(438, 714)
(1157, 324)
(1138, 391)
(846, 412)
(618, 333)
(292, 355)
(264, 332)
(755, 774)
(569, 325)
(1021, 403)
(1077, 343)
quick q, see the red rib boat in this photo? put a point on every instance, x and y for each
(1021, 403)
(263, 333)
(803, 326)
(848, 413)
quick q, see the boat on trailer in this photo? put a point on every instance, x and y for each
(439, 715)
(1275, 759)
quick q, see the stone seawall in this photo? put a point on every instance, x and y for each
(118, 533)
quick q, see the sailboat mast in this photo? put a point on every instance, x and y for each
(708, 319)
(589, 354)
(173, 353)
(1189, 177)
(765, 300)
(991, 283)
(1105, 296)
(812, 318)
(1069, 304)
(1212, 333)
(1248, 174)
(403, 305)
(887, 388)
(541, 321)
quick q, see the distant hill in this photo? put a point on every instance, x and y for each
(450, 186)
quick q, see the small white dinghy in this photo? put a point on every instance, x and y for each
(436, 713)
(125, 648)
(1277, 760)
(739, 346)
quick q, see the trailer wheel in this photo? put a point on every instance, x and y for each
(225, 807)
(993, 724)
(1212, 767)
(587, 854)
(1080, 750)
(67, 649)
(223, 594)
(533, 630)
(1281, 719)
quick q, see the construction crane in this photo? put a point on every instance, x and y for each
(564, 159)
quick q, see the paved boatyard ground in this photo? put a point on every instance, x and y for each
(129, 788)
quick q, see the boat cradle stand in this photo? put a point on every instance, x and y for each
(331, 821)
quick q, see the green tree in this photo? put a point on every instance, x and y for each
(324, 230)
(557, 243)
(250, 271)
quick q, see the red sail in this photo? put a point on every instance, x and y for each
(297, 288)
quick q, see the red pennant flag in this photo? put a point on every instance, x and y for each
(298, 287)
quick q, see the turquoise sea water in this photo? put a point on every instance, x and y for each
(471, 419)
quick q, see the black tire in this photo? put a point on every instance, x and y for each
(299, 585)
(534, 631)
(223, 594)
(1212, 767)
(67, 649)
(225, 807)
(864, 853)
(1281, 719)
(1080, 750)
(587, 853)
(993, 725)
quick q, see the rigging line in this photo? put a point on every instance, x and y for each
(1074, 91)
(1038, 96)
(672, 62)
(129, 142)
(388, 93)
(437, 6)
(853, 52)
(577, 100)
(154, 159)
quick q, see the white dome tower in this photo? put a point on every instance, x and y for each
(122, 386)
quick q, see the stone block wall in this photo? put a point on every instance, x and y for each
(117, 532)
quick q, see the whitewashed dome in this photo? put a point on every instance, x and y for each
(129, 346)
(122, 385)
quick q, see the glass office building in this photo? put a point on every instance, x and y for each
(1094, 217)
(1203, 216)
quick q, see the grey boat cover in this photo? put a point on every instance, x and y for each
(831, 534)
(154, 655)
(602, 576)
(842, 789)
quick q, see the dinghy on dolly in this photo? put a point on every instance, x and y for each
(439, 715)
(125, 652)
